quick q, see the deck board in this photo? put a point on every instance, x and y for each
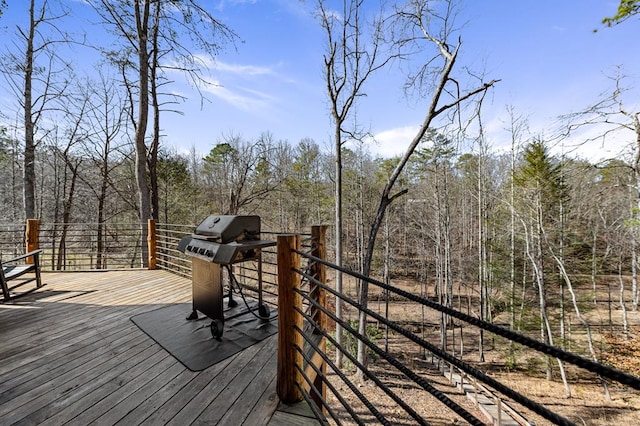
(194, 408)
(267, 403)
(250, 395)
(69, 354)
(240, 395)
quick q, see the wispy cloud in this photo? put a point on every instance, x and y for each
(244, 99)
(393, 142)
(222, 4)
(243, 86)
(242, 70)
(294, 8)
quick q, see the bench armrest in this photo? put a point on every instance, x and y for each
(24, 256)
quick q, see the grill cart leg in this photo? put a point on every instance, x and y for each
(263, 309)
(232, 303)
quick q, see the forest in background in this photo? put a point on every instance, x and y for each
(464, 213)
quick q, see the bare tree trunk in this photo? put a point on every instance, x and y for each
(424, 292)
(433, 111)
(387, 279)
(609, 306)
(512, 251)
(448, 274)
(542, 294)
(482, 250)
(594, 265)
(338, 240)
(59, 192)
(101, 262)
(29, 126)
(582, 320)
(636, 174)
(14, 182)
(66, 214)
(100, 233)
(438, 248)
(35, 85)
(144, 192)
(623, 307)
(523, 295)
(348, 65)
(634, 272)
(545, 326)
(155, 144)
(561, 255)
(563, 337)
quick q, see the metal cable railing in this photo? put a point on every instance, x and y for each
(11, 239)
(78, 246)
(312, 325)
(168, 256)
(587, 364)
(312, 328)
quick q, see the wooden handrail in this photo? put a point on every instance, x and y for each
(289, 320)
(31, 236)
(152, 244)
(294, 375)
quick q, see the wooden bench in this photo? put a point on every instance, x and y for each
(15, 268)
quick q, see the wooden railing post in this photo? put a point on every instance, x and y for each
(289, 376)
(152, 243)
(32, 237)
(319, 271)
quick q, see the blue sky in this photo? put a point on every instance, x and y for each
(545, 53)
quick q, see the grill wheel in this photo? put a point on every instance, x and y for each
(217, 327)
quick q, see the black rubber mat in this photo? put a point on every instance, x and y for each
(192, 343)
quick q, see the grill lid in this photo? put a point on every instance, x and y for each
(227, 228)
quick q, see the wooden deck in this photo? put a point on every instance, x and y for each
(69, 354)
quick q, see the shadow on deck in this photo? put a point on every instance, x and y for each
(70, 354)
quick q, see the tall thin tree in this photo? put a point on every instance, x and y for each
(150, 29)
(36, 74)
(416, 27)
(349, 61)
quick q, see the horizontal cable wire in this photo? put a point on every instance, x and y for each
(325, 404)
(381, 418)
(603, 370)
(372, 409)
(478, 374)
(335, 392)
(440, 396)
(366, 371)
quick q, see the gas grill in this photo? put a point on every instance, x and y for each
(218, 243)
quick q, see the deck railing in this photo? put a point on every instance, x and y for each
(167, 256)
(305, 366)
(75, 246)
